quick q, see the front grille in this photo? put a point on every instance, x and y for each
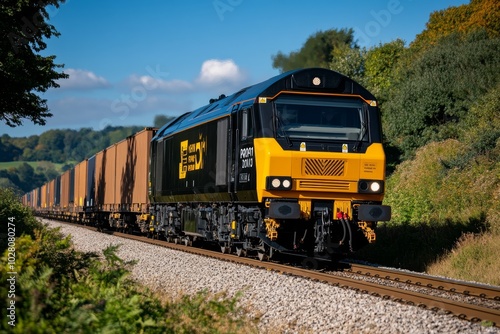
(323, 167)
(323, 185)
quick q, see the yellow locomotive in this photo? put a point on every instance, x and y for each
(292, 165)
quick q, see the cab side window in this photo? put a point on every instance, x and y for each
(246, 124)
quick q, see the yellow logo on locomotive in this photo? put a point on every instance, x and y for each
(191, 156)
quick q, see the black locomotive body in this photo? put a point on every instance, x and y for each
(292, 165)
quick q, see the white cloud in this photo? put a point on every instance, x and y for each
(214, 71)
(215, 75)
(151, 83)
(82, 79)
(139, 96)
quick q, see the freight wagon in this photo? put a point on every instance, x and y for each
(108, 189)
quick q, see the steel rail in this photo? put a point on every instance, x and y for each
(432, 282)
(459, 309)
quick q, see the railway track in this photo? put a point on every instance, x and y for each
(453, 297)
(431, 282)
(466, 300)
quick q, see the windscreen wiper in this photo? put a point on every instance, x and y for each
(364, 127)
(281, 131)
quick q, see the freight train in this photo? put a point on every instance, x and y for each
(292, 165)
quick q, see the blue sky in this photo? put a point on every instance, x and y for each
(131, 60)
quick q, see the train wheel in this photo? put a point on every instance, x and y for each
(310, 263)
(240, 252)
(262, 256)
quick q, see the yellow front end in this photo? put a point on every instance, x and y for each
(318, 175)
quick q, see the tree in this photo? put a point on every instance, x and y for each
(481, 126)
(6, 183)
(53, 140)
(432, 96)
(23, 71)
(317, 51)
(349, 61)
(70, 144)
(26, 175)
(161, 120)
(380, 64)
(478, 14)
(8, 152)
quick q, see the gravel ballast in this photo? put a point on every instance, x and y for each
(285, 303)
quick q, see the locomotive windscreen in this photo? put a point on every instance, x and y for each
(328, 118)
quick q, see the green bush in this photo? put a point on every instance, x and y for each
(438, 88)
(60, 290)
(449, 189)
(13, 211)
(413, 188)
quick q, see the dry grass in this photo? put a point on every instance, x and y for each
(474, 258)
(439, 195)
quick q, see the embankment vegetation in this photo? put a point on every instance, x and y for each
(53, 288)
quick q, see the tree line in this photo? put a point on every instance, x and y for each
(66, 147)
(426, 89)
(61, 146)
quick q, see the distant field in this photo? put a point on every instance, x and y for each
(34, 164)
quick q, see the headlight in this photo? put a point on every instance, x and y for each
(375, 186)
(370, 186)
(278, 183)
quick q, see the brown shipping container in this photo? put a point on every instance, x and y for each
(25, 199)
(132, 160)
(51, 193)
(31, 198)
(80, 185)
(43, 196)
(36, 198)
(105, 178)
(65, 184)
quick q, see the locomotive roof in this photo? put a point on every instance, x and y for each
(296, 80)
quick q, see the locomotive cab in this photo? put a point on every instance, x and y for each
(321, 170)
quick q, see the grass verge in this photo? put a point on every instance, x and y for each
(55, 289)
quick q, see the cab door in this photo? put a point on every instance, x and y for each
(246, 176)
(232, 154)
